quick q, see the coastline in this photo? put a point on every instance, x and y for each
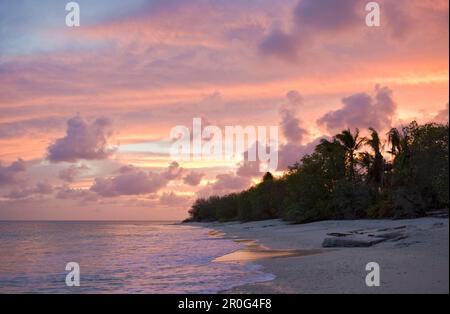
(417, 262)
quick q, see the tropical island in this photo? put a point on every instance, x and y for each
(348, 177)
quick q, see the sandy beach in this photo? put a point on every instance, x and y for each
(414, 260)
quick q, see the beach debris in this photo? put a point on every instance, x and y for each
(406, 244)
(339, 234)
(438, 213)
(351, 241)
(438, 225)
(267, 226)
(364, 238)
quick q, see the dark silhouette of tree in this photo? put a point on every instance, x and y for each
(374, 163)
(351, 143)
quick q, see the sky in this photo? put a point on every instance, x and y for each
(86, 112)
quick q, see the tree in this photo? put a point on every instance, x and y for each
(420, 168)
(268, 177)
(351, 143)
(375, 163)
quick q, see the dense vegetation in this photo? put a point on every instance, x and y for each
(348, 177)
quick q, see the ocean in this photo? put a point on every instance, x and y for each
(118, 257)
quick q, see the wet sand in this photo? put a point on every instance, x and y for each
(254, 251)
(415, 263)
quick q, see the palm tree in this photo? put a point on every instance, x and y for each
(395, 139)
(351, 143)
(333, 156)
(375, 163)
(400, 149)
(399, 144)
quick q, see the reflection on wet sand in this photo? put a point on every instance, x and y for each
(255, 251)
(214, 233)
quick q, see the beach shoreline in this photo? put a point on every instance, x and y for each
(416, 262)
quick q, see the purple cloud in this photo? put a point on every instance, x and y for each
(193, 178)
(174, 171)
(83, 140)
(290, 124)
(280, 44)
(66, 192)
(171, 199)
(41, 188)
(228, 181)
(328, 15)
(290, 153)
(442, 115)
(133, 181)
(69, 174)
(316, 21)
(30, 126)
(312, 18)
(225, 183)
(248, 169)
(9, 174)
(362, 110)
(292, 150)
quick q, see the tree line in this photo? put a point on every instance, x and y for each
(348, 177)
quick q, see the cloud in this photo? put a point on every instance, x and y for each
(83, 140)
(312, 18)
(225, 183)
(315, 22)
(328, 15)
(292, 150)
(171, 199)
(69, 174)
(280, 44)
(361, 111)
(133, 181)
(41, 188)
(10, 174)
(248, 169)
(228, 181)
(442, 115)
(399, 22)
(193, 178)
(174, 171)
(27, 127)
(290, 153)
(290, 124)
(66, 192)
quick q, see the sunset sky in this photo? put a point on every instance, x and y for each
(85, 112)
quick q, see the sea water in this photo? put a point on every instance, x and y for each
(118, 257)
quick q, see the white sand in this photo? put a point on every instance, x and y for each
(417, 264)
